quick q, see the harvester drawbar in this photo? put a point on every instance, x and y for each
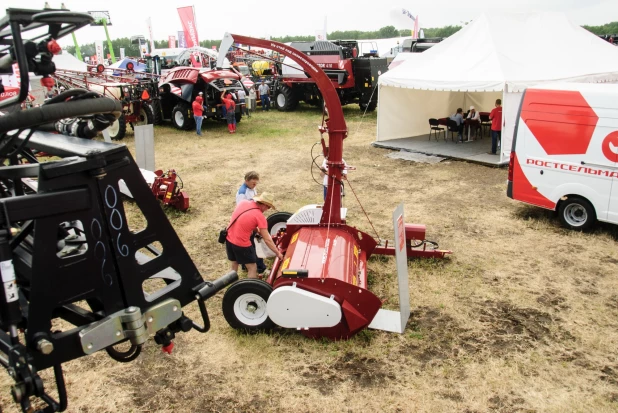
(320, 286)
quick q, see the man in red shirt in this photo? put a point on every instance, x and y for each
(496, 126)
(248, 216)
(198, 112)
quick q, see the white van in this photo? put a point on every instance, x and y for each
(565, 152)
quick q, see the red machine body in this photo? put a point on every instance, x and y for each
(167, 190)
(324, 268)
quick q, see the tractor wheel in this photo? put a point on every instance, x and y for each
(244, 305)
(367, 106)
(577, 213)
(157, 112)
(277, 221)
(118, 129)
(285, 99)
(181, 118)
(146, 116)
(238, 117)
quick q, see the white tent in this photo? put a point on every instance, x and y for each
(67, 61)
(498, 55)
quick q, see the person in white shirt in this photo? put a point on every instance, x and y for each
(263, 91)
(473, 121)
(242, 101)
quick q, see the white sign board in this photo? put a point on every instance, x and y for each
(144, 147)
(122, 53)
(395, 321)
(98, 45)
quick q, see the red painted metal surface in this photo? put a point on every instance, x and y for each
(523, 189)
(561, 121)
(326, 253)
(359, 306)
(166, 189)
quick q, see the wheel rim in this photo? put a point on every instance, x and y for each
(143, 118)
(179, 118)
(250, 309)
(281, 100)
(114, 128)
(575, 215)
(275, 229)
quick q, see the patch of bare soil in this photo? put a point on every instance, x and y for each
(362, 371)
(504, 329)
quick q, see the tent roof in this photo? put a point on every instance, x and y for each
(516, 49)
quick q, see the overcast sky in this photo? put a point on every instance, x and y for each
(260, 19)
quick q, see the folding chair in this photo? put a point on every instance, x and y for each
(434, 126)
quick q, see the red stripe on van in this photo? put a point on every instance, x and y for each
(523, 191)
(561, 121)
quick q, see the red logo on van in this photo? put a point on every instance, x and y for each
(562, 121)
(610, 146)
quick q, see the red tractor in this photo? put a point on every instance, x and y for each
(180, 86)
(352, 66)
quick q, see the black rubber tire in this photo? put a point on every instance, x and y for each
(181, 111)
(241, 288)
(367, 106)
(285, 100)
(576, 209)
(121, 131)
(276, 218)
(146, 116)
(157, 112)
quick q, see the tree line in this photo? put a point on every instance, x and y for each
(386, 32)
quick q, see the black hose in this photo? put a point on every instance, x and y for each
(52, 113)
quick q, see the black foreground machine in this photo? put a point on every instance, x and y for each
(76, 278)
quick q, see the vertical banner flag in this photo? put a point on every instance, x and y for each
(320, 35)
(122, 52)
(416, 27)
(98, 45)
(171, 42)
(187, 18)
(182, 43)
(149, 22)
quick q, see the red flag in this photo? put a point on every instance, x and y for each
(187, 18)
(171, 42)
(416, 28)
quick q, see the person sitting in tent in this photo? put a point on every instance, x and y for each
(458, 118)
(473, 121)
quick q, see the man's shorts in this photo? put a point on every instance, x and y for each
(242, 255)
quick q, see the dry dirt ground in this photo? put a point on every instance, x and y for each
(521, 318)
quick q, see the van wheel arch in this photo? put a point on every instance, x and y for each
(576, 212)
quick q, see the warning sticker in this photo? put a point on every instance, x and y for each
(294, 238)
(7, 270)
(10, 291)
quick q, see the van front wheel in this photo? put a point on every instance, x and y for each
(577, 214)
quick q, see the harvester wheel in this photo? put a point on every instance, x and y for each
(285, 100)
(145, 116)
(118, 129)
(244, 305)
(157, 112)
(277, 221)
(181, 117)
(367, 106)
